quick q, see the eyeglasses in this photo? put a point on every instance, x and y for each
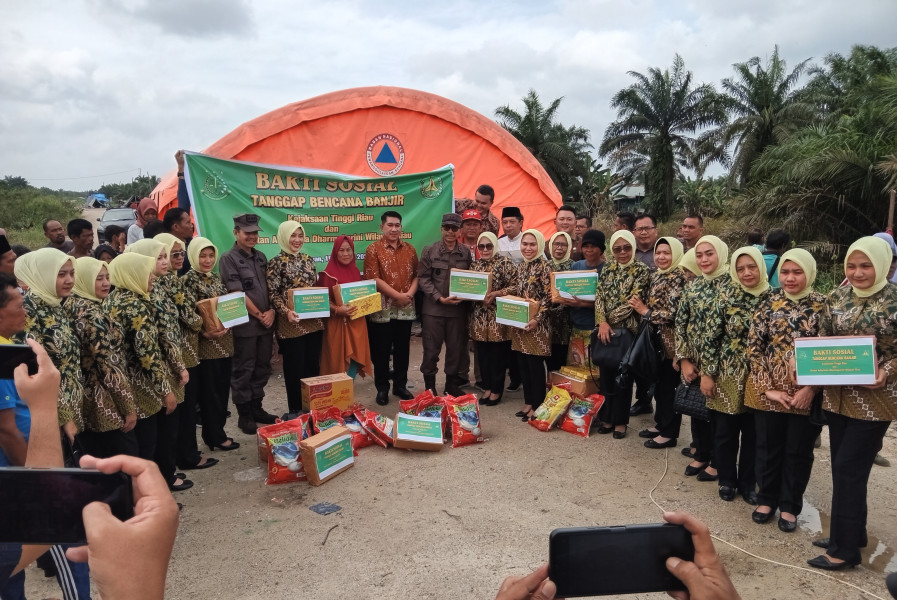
(484, 246)
(644, 229)
(178, 254)
(621, 249)
(450, 227)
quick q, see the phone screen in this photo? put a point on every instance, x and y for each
(43, 506)
(597, 561)
(12, 355)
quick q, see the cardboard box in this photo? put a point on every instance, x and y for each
(366, 305)
(310, 302)
(344, 292)
(515, 311)
(566, 284)
(469, 285)
(325, 391)
(327, 454)
(418, 433)
(228, 310)
(580, 387)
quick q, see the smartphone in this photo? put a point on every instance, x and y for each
(626, 559)
(43, 506)
(12, 355)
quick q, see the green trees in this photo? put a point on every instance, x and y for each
(659, 119)
(139, 187)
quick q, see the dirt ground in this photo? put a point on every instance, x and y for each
(454, 524)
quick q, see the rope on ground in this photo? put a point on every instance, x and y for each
(666, 468)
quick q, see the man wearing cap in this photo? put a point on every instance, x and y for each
(509, 242)
(444, 318)
(471, 228)
(7, 257)
(242, 269)
(482, 203)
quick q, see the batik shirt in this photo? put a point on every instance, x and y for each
(286, 272)
(559, 314)
(847, 314)
(481, 325)
(52, 329)
(200, 286)
(398, 268)
(616, 285)
(664, 295)
(695, 318)
(189, 321)
(108, 397)
(148, 375)
(777, 322)
(534, 283)
(168, 330)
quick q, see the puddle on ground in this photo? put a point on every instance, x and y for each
(877, 556)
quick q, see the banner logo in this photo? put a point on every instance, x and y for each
(385, 154)
(430, 188)
(215, 187)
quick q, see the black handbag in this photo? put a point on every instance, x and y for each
(690, 401)
(643, 358)
(608, 356)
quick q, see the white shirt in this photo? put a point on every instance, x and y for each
(135, 233)
(510, 248)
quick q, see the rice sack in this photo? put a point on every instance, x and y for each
(580, 414)
(381, 428)
(464, 415)
(284, 461)
(353, 422)
(552, 408)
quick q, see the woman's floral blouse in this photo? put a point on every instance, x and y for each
(200, 286)
(664, 294)
(559, 314)
(482, 326)
(284, 273)
(534, 283)
(616, 285)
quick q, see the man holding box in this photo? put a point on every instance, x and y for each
(444, 317)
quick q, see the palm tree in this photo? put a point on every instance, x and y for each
(657, 118)
(762, 102)
(839, 87)
(562, 151)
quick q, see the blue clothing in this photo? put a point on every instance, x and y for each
(584, 318)
(11, 587)
(770, 260)
(9, 399)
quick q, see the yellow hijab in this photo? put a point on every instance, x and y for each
(805, 261)
(755, 255)
(197, 245)
(492, 240)
(284, 231)
(627, 236)
(551, 247)
(722, 251)
(876, 249)
(131, 271)
(676, 249)
(39, 269)
(87, 269)
(540, 244)
(689, 263)
(169, 241)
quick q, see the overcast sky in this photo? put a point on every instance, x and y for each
(93, 90)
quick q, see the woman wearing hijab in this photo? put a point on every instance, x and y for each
(534, 341)
(165, 319)
(622, 279)
(785, 434)
(299, 339)
(724, 376)
(347, 349)
(858, 416)
(560, 246)
(215, 348)
(50, 276)
(110, 411)
(131, 309)
(105, 253)
(493, 341)
(664, 293)
(696, 308)
(146, 212)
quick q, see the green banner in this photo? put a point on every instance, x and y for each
(327, 204)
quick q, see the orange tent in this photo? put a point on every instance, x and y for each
(387, 131)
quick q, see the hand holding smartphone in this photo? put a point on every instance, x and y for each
(12, 355)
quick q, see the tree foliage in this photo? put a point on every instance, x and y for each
(121, 193)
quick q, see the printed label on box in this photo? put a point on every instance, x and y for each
(468, 285)
(333, 456)
(310, 304)
(581, 285)
(357, 289)
(231, 309)
(835, 360)
(418, 429)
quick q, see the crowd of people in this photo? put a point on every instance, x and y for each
(138, 368)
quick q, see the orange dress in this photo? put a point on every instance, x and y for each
(345, 340)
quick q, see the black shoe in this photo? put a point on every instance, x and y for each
(604, 430)
(210, 462)
(691, 471)
(515, 385)
(750, 497)
(403, 393)
(185, 484)
(454, 390)
(760, 518)
(726, 492)
(822, 542)
(670, 443)
(822, 562)
(705, 476)
(686, 452)
(232, 446)
(647, 433)
(787, 526)
(619, 435)
(383, 397)
(493, 402)
(520, 413)
(640, 409)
